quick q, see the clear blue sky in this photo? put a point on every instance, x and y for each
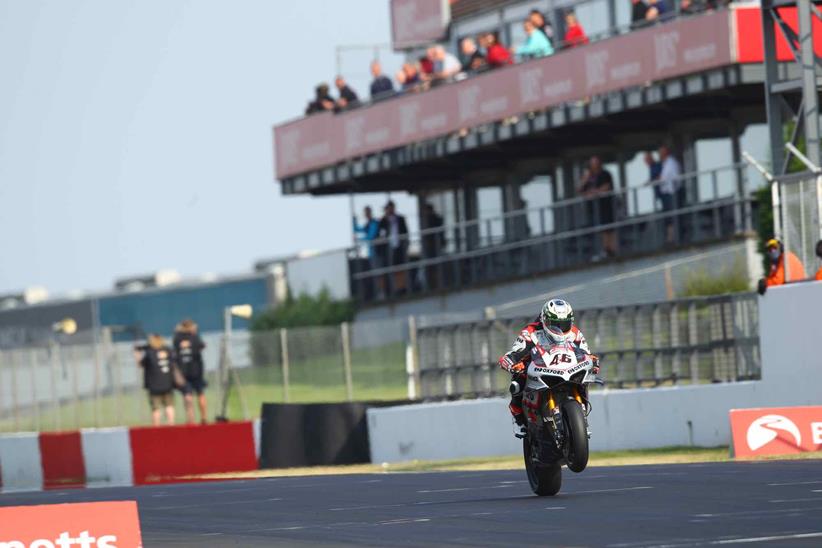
(136, 135)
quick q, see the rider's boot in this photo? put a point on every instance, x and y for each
(519, 421)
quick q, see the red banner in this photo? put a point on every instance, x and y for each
(92, 525)
(648, 55)
(776, 431)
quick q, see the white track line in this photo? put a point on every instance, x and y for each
(610, 490)
(768, 539)
(795, 483)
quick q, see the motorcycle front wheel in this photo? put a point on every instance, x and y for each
(576, 438)
(545, 479)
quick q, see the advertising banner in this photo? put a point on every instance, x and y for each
(776, 431)
(632, 60)
(92, 525)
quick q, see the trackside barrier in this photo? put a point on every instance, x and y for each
(121, 457)
(695, 415)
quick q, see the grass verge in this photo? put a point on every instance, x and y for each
(666, 455)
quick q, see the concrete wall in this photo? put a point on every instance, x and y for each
(617, 283)
(790, 326)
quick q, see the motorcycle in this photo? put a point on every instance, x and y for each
(556, 405)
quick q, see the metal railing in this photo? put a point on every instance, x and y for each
(560, 45)
(685, 341)
(90, 380)
(709, 206)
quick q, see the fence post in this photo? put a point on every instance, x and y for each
(97, 378)
(15, 403)
(345, 332)
(33, 378)
(75, 388)
(54, 350)
(412, 361)
(284, 348)
(693, 361)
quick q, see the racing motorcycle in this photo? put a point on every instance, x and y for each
(555, 401)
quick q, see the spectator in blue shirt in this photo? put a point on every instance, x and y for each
(536, 45)
(368, 232)
(381, 86)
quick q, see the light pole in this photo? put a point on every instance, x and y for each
(226, 375)
(66, 326)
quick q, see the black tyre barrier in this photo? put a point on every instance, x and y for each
(315, 434)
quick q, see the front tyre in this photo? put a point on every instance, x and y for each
(576, 442)
(545, 479)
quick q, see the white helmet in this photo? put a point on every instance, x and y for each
(557, 313)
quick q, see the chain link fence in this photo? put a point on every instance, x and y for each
(91, 380)
(798, 208)
(685, 341)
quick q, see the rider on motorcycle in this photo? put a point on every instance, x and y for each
(555, 313)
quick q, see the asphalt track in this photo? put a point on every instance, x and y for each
(766, 503)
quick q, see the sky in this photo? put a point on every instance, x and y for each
(136, 136)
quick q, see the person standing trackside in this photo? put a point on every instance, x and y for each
(778, 256)
(394, 229)
(819, 254)
(157, 361)
(188, 347)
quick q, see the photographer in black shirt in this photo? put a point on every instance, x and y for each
(157, 360)
(188, 347)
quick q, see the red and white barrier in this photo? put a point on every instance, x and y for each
(99, 457)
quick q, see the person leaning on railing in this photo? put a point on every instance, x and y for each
(778, 256)
(819, 254)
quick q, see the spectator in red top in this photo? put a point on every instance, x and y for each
(574, 35)
(496, 55)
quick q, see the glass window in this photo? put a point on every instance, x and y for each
(593, 17)
(755, 141)
(715, 156)
(536, 199)
(489, 215)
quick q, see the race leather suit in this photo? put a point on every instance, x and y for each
(516, 360)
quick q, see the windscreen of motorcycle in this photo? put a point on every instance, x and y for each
(549, 357)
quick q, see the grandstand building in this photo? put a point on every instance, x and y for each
(500, 156)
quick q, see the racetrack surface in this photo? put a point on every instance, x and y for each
(775, 503)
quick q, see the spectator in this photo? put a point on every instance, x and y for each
(368, 233)
(669, 186)
(472, 59)
(657, 10)
(496, 55)
(322, 100)
(394, 230)
(574, 34)
(599, 182)
(188, 347)
(433, 241)
(654, 171)
(445, 64)
(689, 7)
(348, 99)
(408, 77)
(541, 23)
(157, 361)
(381, 86)
(536, 44)
(819, 255)
(426, 64)
(777, 256)
(639, 13)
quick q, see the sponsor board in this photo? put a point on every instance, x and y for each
(776, 431)
(83, 525)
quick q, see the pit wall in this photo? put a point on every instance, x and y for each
(789, 322)
(100, 457)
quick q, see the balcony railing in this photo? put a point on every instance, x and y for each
(709, 206)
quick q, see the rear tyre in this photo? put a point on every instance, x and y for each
(545, 479)
(576, 436)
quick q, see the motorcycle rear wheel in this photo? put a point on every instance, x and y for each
(576, 436)
(545, 479)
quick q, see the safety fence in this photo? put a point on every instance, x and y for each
(693, 208)
(797, 205)
(684, 341)
(91, 379)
